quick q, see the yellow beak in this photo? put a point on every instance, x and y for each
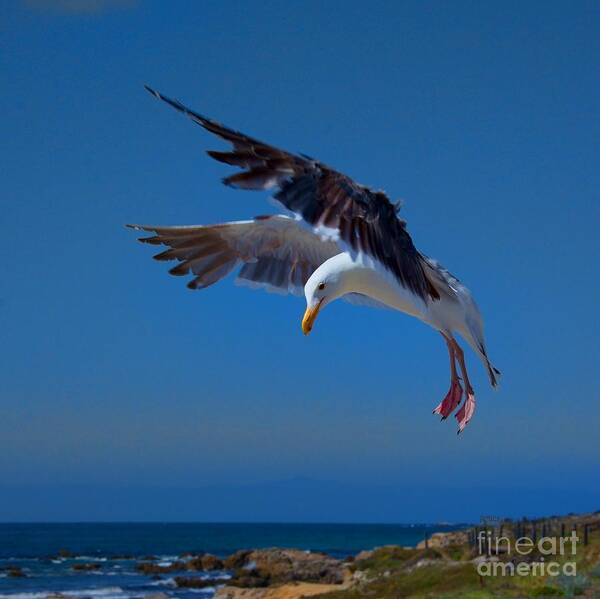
(310, 316)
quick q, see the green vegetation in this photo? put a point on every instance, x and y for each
(449, 571)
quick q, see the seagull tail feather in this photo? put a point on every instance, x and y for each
(473, 335)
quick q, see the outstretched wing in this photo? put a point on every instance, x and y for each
(276, 252)
(332, 203)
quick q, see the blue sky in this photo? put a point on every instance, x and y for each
(483, 118)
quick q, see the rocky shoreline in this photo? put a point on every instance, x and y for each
(445, 564)
(251, 569)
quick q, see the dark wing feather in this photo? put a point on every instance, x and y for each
(365, 220)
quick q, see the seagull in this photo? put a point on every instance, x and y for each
(342, 240)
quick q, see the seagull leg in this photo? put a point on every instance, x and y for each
(464, 415)
(454, 395)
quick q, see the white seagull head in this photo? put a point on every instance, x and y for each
(329, 282)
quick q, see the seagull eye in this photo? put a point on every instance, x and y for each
(321, 286)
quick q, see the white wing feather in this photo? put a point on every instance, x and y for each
(277, 253)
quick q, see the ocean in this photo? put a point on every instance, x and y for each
(46, 554)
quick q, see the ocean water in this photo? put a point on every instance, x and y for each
(117, 548)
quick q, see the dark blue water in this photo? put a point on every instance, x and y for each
(116, 548)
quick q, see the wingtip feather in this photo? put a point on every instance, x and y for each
(152, 91)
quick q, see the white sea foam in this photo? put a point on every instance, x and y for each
(19, 559)
(213, 576)
(164, 582)
(89, 558)
(26, 595)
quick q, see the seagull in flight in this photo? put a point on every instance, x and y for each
(342, 240)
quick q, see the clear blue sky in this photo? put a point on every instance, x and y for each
(118, 382)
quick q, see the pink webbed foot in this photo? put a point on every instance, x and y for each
(451, 401)
(464, 415)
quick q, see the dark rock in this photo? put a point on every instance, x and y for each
(199, 562)
(237, 559)
(152, 568)
(190, 582)
(16, 572)
(65, 553)
(211, 562)
(263, 567)
(87, 567)
(194, 563)
(249, 579)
